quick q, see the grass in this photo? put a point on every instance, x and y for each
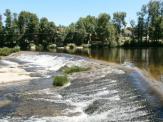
(73, 69)
(7, 51)
(60, 80)
(63, 79)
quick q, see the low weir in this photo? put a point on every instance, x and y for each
(104, 94)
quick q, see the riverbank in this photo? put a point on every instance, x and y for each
(106, 92)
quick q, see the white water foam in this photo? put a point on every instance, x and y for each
(116, 112)
(45, 61)
(49, 62)
(9, 63)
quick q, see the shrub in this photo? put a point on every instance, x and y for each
(17, 48)
(32, 47)
(60, 80)
(73, 69)
(71, 46)
(52, 46)
(7, 51)
(39, 47)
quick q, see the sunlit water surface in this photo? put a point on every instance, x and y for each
(148, 59)
(96, 97)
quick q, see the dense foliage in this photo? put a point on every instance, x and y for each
(26, 29)
(7, 51)
(149, 28)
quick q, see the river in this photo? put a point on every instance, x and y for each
(106, 94)
(147, 59)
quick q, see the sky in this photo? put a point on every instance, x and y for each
(64, 12)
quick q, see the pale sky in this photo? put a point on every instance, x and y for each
(66, 11)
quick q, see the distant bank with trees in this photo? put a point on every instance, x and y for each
(25, 30)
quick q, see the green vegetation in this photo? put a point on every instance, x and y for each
(149, 29)
(73, 69)
(71, 46)
(7, 51)
(26, 28)
(52, 47)
(60, 80)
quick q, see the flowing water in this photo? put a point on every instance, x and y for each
(148, 59)
(107, 94)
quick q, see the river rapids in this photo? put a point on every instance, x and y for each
(106, 93)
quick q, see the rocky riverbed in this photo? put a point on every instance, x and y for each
(105, 93)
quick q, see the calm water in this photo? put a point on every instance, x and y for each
(150, 60)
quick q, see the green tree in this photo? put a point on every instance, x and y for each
(149, 27)
(119, 21)
(43, 30)
(15, 30)
(60, 35)
(8, 25)
(33, 28)
(89, 26)
(23, 26)
(154, 13)
(28, 24)
(102, 31)
(140, 28)
(133, 27)
(75, 34)
(1, 32)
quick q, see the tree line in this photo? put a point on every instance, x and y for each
(149, 28)
(26, 29)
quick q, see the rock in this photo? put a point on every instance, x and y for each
(4, 103)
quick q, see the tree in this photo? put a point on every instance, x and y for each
(103, 21)
(132, 23)
(113, 36)
(149, 27)
(23, 26)
(15, 30)
(119, 20)
(87, 27)
(60, 35)
(28, 24)
(1, 32)
(74, 35)
(90, 26)
(33, 28)
(8, 38)
(140, 29)
(43, 30)
(154, 12)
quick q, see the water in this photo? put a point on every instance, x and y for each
(149, 59)
(107, 94)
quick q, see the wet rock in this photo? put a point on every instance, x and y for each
(4, 103)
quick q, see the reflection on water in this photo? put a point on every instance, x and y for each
(150, 59)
